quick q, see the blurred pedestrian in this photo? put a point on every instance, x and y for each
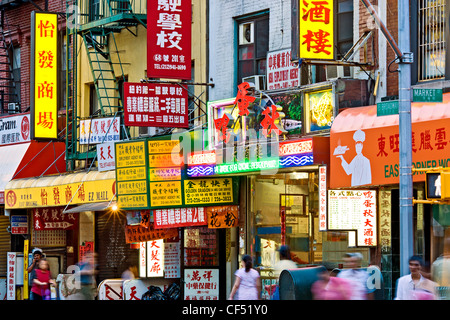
(331, 288)
(440, 270)
(87, 276)
(358, 276)
(129, 273)
(285, 263)
(414, 286)
(248, 281)
(40, 289)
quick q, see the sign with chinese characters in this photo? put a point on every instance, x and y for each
(172, 259)
(316, 29)
(281, 72)
(141, 234)
(99, 130)
(222, 216)
(155, 105)
(322, 198)
(208, 191)
(169, 39)
(53, 219)
(14, 129)
(354, 210)
(131, 175)
(179, 217)
(385, 201)
(60, 195)
(155, 258)
(106, 156)
(375, 141)
(11, 276)
(44, 75)
(19, 224)
(201, 284)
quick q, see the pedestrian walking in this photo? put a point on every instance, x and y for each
(331, 288)
(414, 286)
(87, 276)
(40, 289)
(358, 277)
(248, 281)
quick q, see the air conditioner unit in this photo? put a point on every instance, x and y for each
(246, 33)
(13, 107)
(334, 72)
(257, 81)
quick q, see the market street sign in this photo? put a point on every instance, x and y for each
(427, 95)
(387, 108)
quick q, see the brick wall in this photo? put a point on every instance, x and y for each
(17, 24)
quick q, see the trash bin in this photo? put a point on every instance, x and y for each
(295, 284)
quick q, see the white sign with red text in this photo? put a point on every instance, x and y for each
(14, 129)
(106, 156)
(201, 284)
(11, 276)
(281, 72)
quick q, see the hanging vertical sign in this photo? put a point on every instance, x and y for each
(44, 75)
(322, 198)
(316, 29)
(11, 278)
(169, 39)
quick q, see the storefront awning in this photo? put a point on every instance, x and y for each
(61, 190)
(99, 206)
(29, 159)
(378, 163)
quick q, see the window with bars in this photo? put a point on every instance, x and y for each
(431, 42)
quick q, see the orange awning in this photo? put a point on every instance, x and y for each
(378, 162)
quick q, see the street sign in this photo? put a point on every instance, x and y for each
(387, 108)
(427, 95)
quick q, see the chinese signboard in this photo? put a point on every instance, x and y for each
(155, 105)
(19, 225)
(155, 258)
(14, 129)
(208, 191)
(106, 156)
(222, 216)
(141, 234)
(60, 195)
(384, 199)
(53, 219)
(179, 217)
(131, 175)
(375, 141)
(172, 257)
(322, 198)
(44, 76)
(99, 130)
(354, 210)
(11, 278)
(316, 29)
(169, 39)
(201, 284)
(281, 72)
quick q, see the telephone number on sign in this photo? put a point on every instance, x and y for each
(169, 66)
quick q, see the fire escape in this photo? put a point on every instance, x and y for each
(95, 23)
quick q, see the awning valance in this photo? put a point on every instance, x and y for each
(364, 147)
(61, 190)
(97, 206)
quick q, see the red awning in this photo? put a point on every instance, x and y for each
(30, 159)
(378, 162)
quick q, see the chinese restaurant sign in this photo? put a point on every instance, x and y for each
(169, 39)
(281, 72)
(354, 210)
(208, 191)
(316, 29)
(60, 195)
(322, 198)
(44, 76)
(155, 105)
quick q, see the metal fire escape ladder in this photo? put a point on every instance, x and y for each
(8, 88)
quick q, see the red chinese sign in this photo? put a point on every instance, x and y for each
(140, 234)
(169, 39)
(53, 218)
(180, 217)
(316, 29)
(155, 105)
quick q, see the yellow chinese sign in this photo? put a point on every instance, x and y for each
(208, 191)
(316, 29)
(166, 194)
(131, 175)
(44, 88)
(60, 195)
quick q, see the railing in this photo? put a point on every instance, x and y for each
(93, 10)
